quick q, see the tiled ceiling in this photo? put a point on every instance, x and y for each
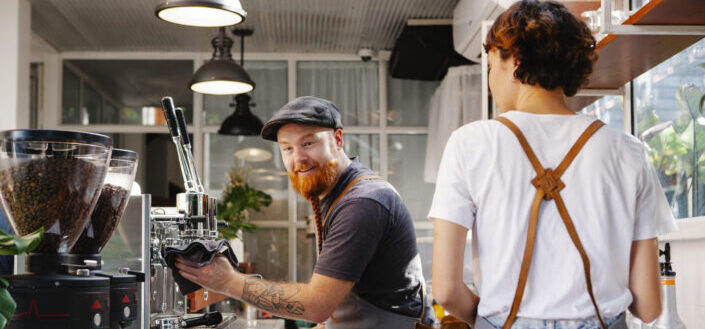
(300, 26)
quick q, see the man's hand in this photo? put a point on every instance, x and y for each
(219, 276)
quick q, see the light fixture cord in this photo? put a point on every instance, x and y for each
(242, 50)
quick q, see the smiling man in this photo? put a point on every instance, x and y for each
(368, 273)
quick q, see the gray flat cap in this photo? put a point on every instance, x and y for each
(305, 110)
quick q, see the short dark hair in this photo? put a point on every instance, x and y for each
(553, 47)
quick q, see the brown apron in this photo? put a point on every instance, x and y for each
(548, 186)
(356, 313)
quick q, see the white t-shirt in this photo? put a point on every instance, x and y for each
(612, 195)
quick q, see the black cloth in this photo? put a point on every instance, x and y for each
(198, 253)
(305, 110)
(369, 239)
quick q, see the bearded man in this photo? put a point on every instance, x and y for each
(368, 272)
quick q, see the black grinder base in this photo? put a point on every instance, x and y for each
(59, 301)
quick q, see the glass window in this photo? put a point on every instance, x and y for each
(133, 88)
(263, 166)
(352, 86)
(669, 119)
(407, 155)
(267, 250)
(608, 109)
(35, 97)
(158, 171)
(305, 255)
(70, 97)
(408, 101)
(270, 94)
(92, 106)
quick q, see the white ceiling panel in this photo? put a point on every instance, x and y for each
(321, 26)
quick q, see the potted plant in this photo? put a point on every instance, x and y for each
(14, 245)
(237, 200)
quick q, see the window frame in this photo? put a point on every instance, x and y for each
(201, 131)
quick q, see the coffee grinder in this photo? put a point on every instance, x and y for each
(52, 179)
(104, 220)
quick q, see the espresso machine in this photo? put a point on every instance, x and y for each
(193, 218)
(52, 179)
(108, 211)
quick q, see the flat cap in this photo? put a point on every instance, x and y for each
(305, 110)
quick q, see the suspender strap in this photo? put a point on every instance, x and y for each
(548, 186)
(351, 184)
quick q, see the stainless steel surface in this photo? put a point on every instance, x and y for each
(144, 232)
(669, 318)
(83, 272)
(192, 219)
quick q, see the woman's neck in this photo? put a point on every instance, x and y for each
(537, 100)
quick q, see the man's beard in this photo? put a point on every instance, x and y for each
(311, 187)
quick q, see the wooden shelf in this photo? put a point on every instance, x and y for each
(622, 58)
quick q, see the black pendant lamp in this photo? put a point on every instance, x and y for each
(242, 121)
(207, 13)
(221, 75)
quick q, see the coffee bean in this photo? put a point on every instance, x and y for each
(53, 192)
(104, 220)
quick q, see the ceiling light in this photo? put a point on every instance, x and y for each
(221, 75)
(242, 121)
(253, 154)
(207, 13)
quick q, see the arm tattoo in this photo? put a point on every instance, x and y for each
(272, 297)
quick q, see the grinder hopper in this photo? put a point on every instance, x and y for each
(111, 204)
(51, 179)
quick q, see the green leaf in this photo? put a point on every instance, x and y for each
(7, 306)
(16, 245)
(688, 98)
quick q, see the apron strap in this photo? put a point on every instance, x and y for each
(548, 186)
(351, 184)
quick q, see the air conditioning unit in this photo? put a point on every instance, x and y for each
(467, 24)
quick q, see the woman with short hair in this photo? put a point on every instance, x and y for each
(564, 211)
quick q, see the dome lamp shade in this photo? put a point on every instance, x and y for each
(205, 13)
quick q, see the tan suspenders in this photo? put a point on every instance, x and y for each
(548, 185)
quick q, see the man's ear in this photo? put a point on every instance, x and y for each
(338, 137)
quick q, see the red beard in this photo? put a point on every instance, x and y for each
(313, 186)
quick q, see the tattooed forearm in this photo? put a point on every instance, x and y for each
(273, 297)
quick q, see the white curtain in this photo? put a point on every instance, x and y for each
(457, 101)
(352, 86)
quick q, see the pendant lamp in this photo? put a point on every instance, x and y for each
(242, 121)
(207, 13)
(221, 75)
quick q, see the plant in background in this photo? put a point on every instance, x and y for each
(237, 200)
(14, 245)
(677, 148)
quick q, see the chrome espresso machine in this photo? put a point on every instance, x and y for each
(193, 218)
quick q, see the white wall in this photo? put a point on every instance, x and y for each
(15, 34)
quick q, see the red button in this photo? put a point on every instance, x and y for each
(96, 305)
(126, 299)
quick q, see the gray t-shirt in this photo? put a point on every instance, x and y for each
(369, 239)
